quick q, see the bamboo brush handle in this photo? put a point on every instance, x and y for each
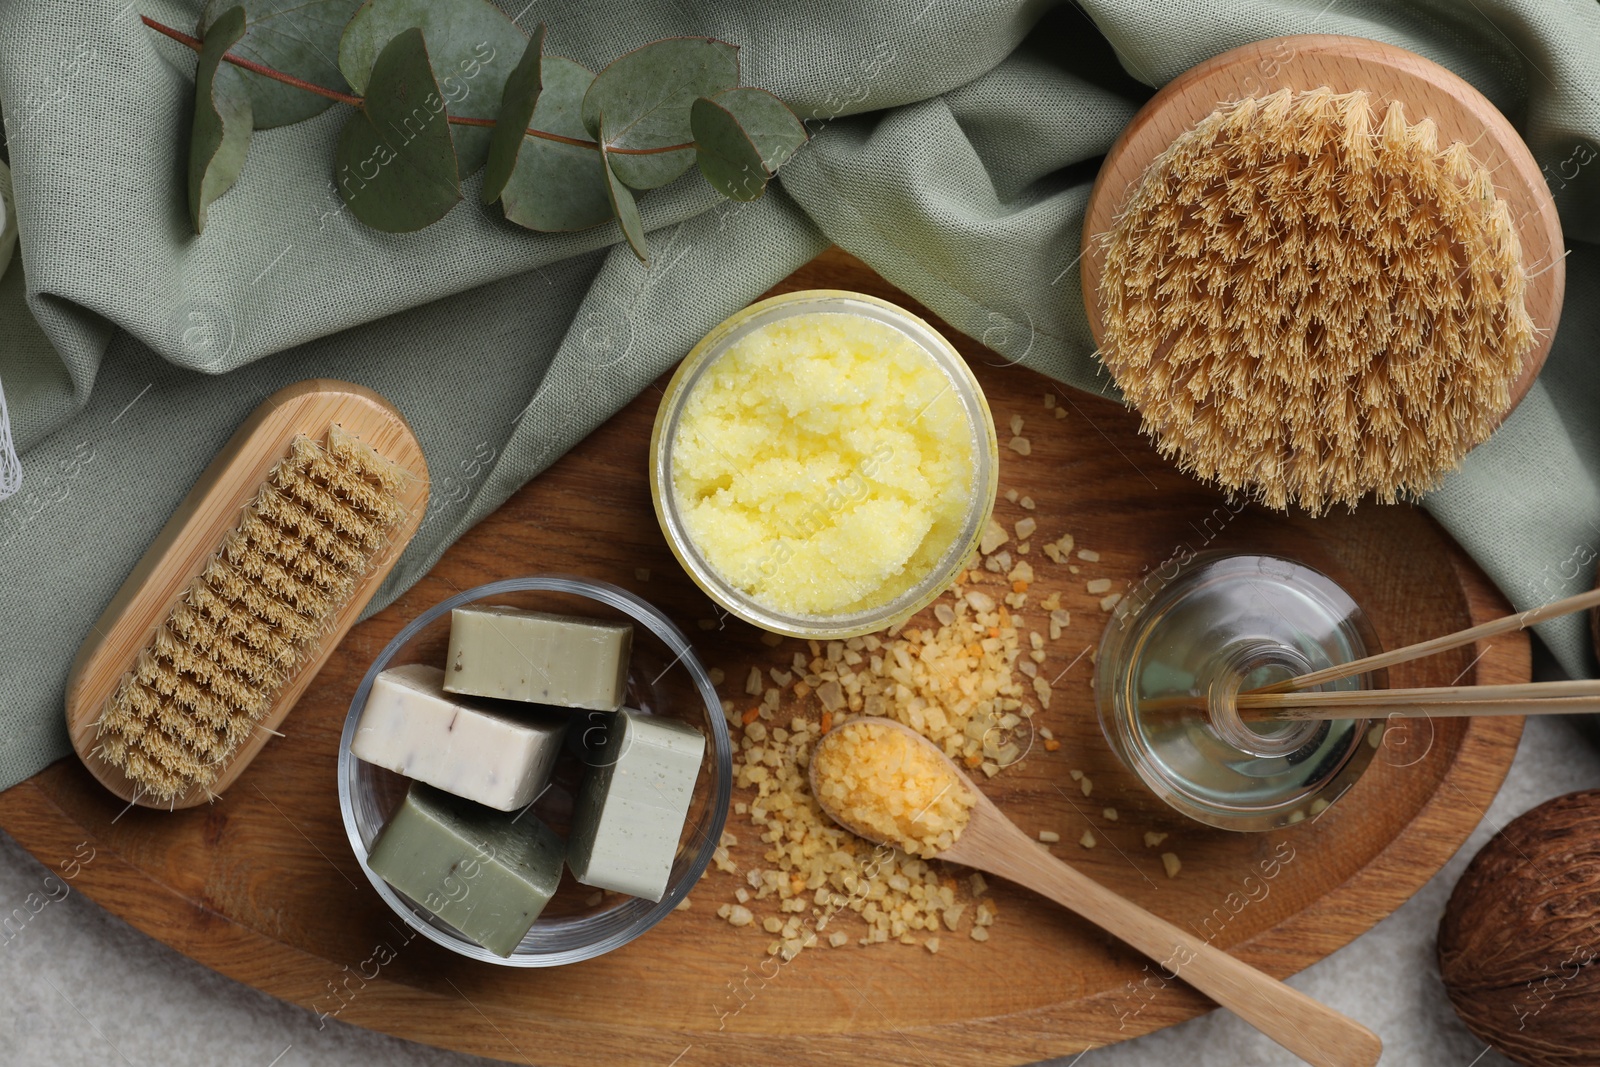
(1313, 1031)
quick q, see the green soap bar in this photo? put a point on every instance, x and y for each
(487, 873)
(634, 799)
(515, 654)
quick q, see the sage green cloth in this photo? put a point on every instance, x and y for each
(956, 144)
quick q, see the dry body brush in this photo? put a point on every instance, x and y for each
(1308, 299)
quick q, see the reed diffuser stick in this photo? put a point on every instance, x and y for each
(1531, 698)
(1449, 709)
(1432, 695)
(1506, 625)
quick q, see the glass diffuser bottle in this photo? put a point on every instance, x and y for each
(1186, 641)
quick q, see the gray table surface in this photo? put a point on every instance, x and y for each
(79, 986)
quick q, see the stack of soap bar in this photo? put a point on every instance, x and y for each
(486, 873)
(411, 726)
(631, 808)
(516, 654)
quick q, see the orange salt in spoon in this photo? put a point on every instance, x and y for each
(888, 784)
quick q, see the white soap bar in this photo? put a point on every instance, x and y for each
(411, 726)
(631, 808)
(515, 654)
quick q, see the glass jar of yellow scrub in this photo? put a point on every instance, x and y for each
(823, 464)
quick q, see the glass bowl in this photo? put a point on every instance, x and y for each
(1194, 634)
(984, 448)
(664, 678)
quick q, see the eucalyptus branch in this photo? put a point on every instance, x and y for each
(399, 161)
(253, 67)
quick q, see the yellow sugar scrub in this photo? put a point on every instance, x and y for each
(824, 464)
(886, 785)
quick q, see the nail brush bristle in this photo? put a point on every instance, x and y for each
(252, 616)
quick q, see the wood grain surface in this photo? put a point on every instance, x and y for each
(263, 887)
(192, 537)
(994, 844)
(1346, 64)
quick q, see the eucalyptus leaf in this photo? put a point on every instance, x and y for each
(556, 186)
(474, 48)
(517, 105)
(622, 202)
(743, 136)
(647, 95)
(298, 37)
(395, 163)
(220, 137)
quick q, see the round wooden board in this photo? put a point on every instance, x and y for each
(262, 886)
(1345, 64)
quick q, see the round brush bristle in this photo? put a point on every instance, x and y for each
(1308, 301)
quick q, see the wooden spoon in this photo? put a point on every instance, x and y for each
(992, 843)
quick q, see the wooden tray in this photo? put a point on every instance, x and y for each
(262, 886)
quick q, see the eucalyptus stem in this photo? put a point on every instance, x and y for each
(195, 44)
(252, 66)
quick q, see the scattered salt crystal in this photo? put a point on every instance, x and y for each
(1021, 446)
(1025, 528)
(994, 535)
(1016, 424)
